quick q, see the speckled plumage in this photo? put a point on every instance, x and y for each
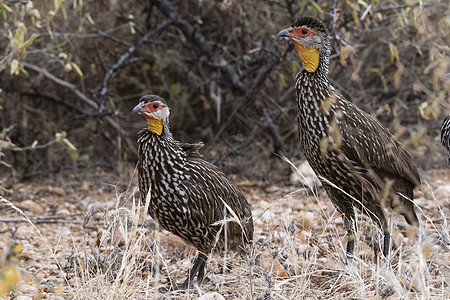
(189, 196)
(445, 136)
(360, 164)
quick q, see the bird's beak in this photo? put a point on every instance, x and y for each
(285, 33)
(137, 109)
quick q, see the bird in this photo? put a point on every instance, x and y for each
(188, 196)
(359, 162)
(445, 136)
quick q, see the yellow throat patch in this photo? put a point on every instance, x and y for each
(308, 56)
(155, 125)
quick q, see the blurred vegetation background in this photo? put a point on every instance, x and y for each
(71, 71)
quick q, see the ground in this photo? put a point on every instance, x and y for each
(90, 240)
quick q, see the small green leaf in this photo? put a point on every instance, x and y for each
(422, 108)
(14, 67)
(373, 71)
(29, 41)
(394, 53)
(293, 65)
(383, 82)
(72, 151)
(17, 41)
(281, 81)
(246, 57)
(4, 16)
(77, 70)
(68, 67)
(24, 120)
(302, 6)
(363, 3)
(5, 7)
(58, 136)
(316, 6)
(175, 89)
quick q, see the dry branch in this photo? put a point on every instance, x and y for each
(124, 57)
(203, 44)
(85, 99)
(251, 97)
(264, 64)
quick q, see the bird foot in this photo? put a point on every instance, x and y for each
(172, 287)
(349, 258)
(198, 270)
(175, 287)
(187, 285)
(330, 275)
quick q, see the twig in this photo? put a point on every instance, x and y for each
(363, 16)
(200, 41)
(275, 132)
(63, 83)
(238, 147)
(112, 37)
(334, 14)
(248, 100)
(85, 99)
(111, 72)
(291, 10)
(230, 70)
(393, 7)
(19, 149)
(52, 98)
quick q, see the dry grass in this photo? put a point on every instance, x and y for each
(132, 259)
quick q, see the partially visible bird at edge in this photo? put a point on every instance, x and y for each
(445, 137)
(360, 164)
(189, 197)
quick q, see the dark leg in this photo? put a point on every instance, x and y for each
(387, 238)
(201, 269)
(198, 268)
(350, 244)
(350, 225)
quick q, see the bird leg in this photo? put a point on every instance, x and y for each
(350, 243)
(197, 269)
(350, 225)
(201, 272)
(386, 241)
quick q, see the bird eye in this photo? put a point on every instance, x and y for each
(155, 105)
(304, 31)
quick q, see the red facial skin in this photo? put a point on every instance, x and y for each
(300, 32)
(149, 108)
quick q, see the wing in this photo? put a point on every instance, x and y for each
(367, 142)
(219, 197)
(191, 149)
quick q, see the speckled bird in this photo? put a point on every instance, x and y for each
(360, 164)
(445, 136)
(189, 197)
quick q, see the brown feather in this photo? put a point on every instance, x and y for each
(360, 163)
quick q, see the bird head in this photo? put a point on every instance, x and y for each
(155, 111)
(310, 38)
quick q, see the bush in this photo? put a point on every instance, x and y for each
(80, 66)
